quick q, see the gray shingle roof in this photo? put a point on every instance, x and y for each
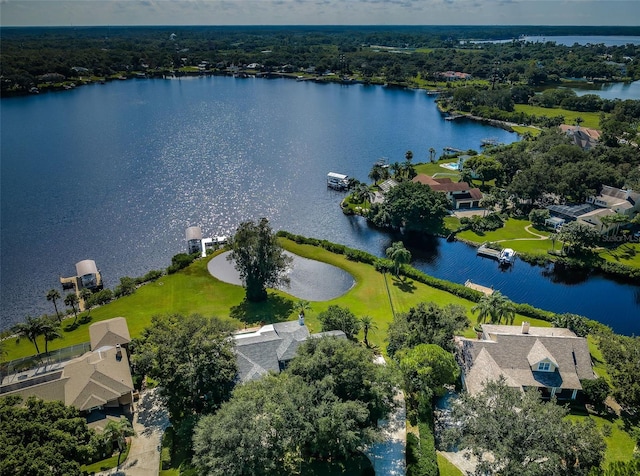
(513, 355)
(268, 349)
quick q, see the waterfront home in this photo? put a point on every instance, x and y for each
(552, 360)
(610, 201)
(271, 347)
(461, 194)
(624, 202)
(583, 137)
(97, 380)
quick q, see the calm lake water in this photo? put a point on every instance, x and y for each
(615, 40)
(609, 90)
(116, 172)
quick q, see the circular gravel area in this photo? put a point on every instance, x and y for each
(311, 280)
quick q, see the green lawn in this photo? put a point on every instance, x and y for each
(591, 120)
(522, 130)
(625, 253)
(447, 468)
(194, 290)
(620, 444)
(513, 235)
(107, 463)
(430, 168)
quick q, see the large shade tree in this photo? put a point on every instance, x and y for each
(42, 438)
(337, 318)
(259, 258)
(514, 432)
(325, 406)
(426, 323)
(413, 206)
(192, 358)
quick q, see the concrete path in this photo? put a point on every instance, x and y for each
(388, 456)
(150, 420)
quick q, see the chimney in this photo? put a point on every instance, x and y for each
(118, 352)
(525, 327)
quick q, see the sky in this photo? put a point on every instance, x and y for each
(318, 12)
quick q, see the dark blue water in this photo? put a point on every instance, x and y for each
(116, 172)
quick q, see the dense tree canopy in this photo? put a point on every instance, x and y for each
(337, 318)
(427, 323)
(511, 432)
(192, 358)
(42, 438)
(622, 354)
(427, 368)
(324, 406)
(259, 258)
(413, 206)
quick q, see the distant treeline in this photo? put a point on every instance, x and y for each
(410, 55)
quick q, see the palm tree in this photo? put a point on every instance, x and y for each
(301, 306)
(408, 155)
(71, 300)
(368, 324)
(396, 170)
(85, 294)
(117, 432)
(495, 307)
(363, 194)
(432, 154)
(50, 331)
(54, 295)
(376, 173)
(31, 329)
(399, 254)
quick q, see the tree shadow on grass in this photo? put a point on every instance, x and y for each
(274, 309)
(404, 285)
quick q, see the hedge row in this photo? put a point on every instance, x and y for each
(385, 265)
(422, 459)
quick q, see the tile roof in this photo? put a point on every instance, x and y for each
(109, 333)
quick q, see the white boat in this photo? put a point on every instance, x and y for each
(507, 257)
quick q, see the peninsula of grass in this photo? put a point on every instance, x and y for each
(590, 120)
(518, 234)
(193, 290)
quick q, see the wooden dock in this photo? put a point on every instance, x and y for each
(478, 287)
(488, 252)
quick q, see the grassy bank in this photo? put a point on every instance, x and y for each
(194, 290)
(591, 120)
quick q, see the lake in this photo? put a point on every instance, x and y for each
(116, 172)
(630, 90)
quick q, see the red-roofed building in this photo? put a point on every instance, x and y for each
(461, 194)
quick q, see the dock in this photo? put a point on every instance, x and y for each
(488, 252)
(453, 149)
(477, 287)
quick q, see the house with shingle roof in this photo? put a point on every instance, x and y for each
(271, 347)
(552, 360)
(96, 380)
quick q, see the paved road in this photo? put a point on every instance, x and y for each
(388, 456)
(150, 420)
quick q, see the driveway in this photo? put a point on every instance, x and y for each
(150, 419)
(388, 456)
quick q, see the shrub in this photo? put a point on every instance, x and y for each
(181, 261)
(596, 390)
